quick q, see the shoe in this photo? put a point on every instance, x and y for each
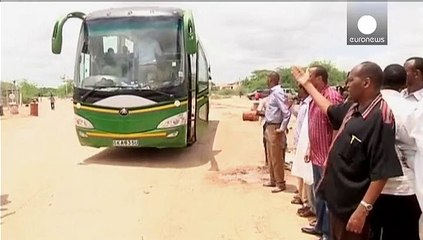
(279, 189)
(303, 209)
(287, 166)
(269, 184)
(310, 230)
(307, 213)
(297, 201)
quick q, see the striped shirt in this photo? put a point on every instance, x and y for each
(320, 130)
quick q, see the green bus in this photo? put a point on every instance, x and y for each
(141, 78)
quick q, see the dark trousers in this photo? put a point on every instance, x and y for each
(338, 230)
(322, 212)
(264, 144)
(395, 217)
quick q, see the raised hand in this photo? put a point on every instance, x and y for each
(300, 75)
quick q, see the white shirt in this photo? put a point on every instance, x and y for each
(404, 143)
(416, 96)
(301, 114)
(415, 128)
(147, 48)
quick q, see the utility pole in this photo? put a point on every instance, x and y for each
(66, 85)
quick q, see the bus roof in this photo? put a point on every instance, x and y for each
(135, 12)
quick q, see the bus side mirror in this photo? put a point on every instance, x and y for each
(189, 31)
(56, 40)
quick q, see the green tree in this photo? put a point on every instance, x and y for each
(258, 78)
(336, 76)
(287, 80)
(5, 86)
(29, 90)
(66, 89)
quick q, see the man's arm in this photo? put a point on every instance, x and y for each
(384, 164)
(294, 110)
(283, 105)
(261, 107)
(358, 218)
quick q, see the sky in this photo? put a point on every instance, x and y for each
(238, 37)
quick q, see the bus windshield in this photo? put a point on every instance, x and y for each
(131, 52)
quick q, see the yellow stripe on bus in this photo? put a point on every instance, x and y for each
(157, 108)
(129, 135)
(94, 109)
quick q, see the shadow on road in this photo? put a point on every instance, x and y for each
(197, 155)
(4, 201)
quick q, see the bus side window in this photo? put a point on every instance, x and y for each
(202, 71)
(110, 42)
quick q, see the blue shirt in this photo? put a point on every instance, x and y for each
(277, 110)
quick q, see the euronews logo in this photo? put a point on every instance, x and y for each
(367, 24)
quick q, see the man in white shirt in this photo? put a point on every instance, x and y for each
(397, 211)
(415, 128)
(414, 90)
(300, 168)
(414, 94)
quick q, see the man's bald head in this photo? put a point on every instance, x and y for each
(273, 79)
(371, 71)
(274, 76)
(319, 71)
(364, 81)
(416, 63)
(414, 68)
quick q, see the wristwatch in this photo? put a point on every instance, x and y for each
(367, 206)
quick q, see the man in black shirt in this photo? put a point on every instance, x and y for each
(362, 156)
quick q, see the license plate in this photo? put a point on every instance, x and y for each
(125, 143)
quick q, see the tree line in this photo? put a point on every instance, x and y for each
(258, 78)
(30, 90)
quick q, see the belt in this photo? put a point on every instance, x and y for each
(272, 123)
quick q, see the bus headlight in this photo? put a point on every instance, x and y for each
(82, 122)
(174, 121)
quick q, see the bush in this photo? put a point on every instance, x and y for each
(26, 100)
(227, 92)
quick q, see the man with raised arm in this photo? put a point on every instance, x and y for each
(362, 156)
(321, 134)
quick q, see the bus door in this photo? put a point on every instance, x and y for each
(192, 113)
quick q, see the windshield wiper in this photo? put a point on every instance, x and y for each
(170, 96)
(95, 88)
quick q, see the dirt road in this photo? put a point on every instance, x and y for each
(57, 189)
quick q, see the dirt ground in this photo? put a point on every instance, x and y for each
(52, 188)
